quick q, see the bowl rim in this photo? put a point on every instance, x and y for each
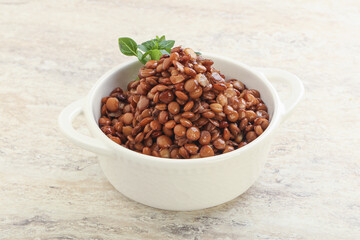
(118, 149)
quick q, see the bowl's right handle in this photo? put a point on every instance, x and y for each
(295, 85)
(65, 120)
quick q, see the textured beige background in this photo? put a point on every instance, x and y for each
(51, 53)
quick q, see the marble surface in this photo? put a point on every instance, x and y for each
(51, 52)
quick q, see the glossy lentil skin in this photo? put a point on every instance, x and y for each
(182, 107)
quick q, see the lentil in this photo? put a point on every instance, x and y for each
(191, 148)
(188, 106)
(181, 95)
(206, 151)
(163, 141)
(112, 104)
(219, 143)
(183, 152)
(185, 122)
(188, 115)
(193, 133)
(174, 107)
(127, 118)
(250, 136)
(228, 148)
(180, 130)
(104, 121)
(170, 124)
(191, 85)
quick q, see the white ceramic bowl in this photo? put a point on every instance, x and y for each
(186, 184)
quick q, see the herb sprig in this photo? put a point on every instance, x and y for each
(149, 50)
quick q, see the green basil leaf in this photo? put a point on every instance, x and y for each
(127, 46)
(146, 57)
(155, 54)
(146, 54)
(148, 45)
(139, 55)
(156, 44)
(152, 49)
(162, 38)
(163, 51)
(143, 48)
(198, 53)
(166, 44)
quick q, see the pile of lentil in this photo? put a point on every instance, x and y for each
(182, 107)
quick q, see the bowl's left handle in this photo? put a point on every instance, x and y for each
(65, 120)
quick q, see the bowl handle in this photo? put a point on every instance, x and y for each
(291, 81)
(65, 120)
